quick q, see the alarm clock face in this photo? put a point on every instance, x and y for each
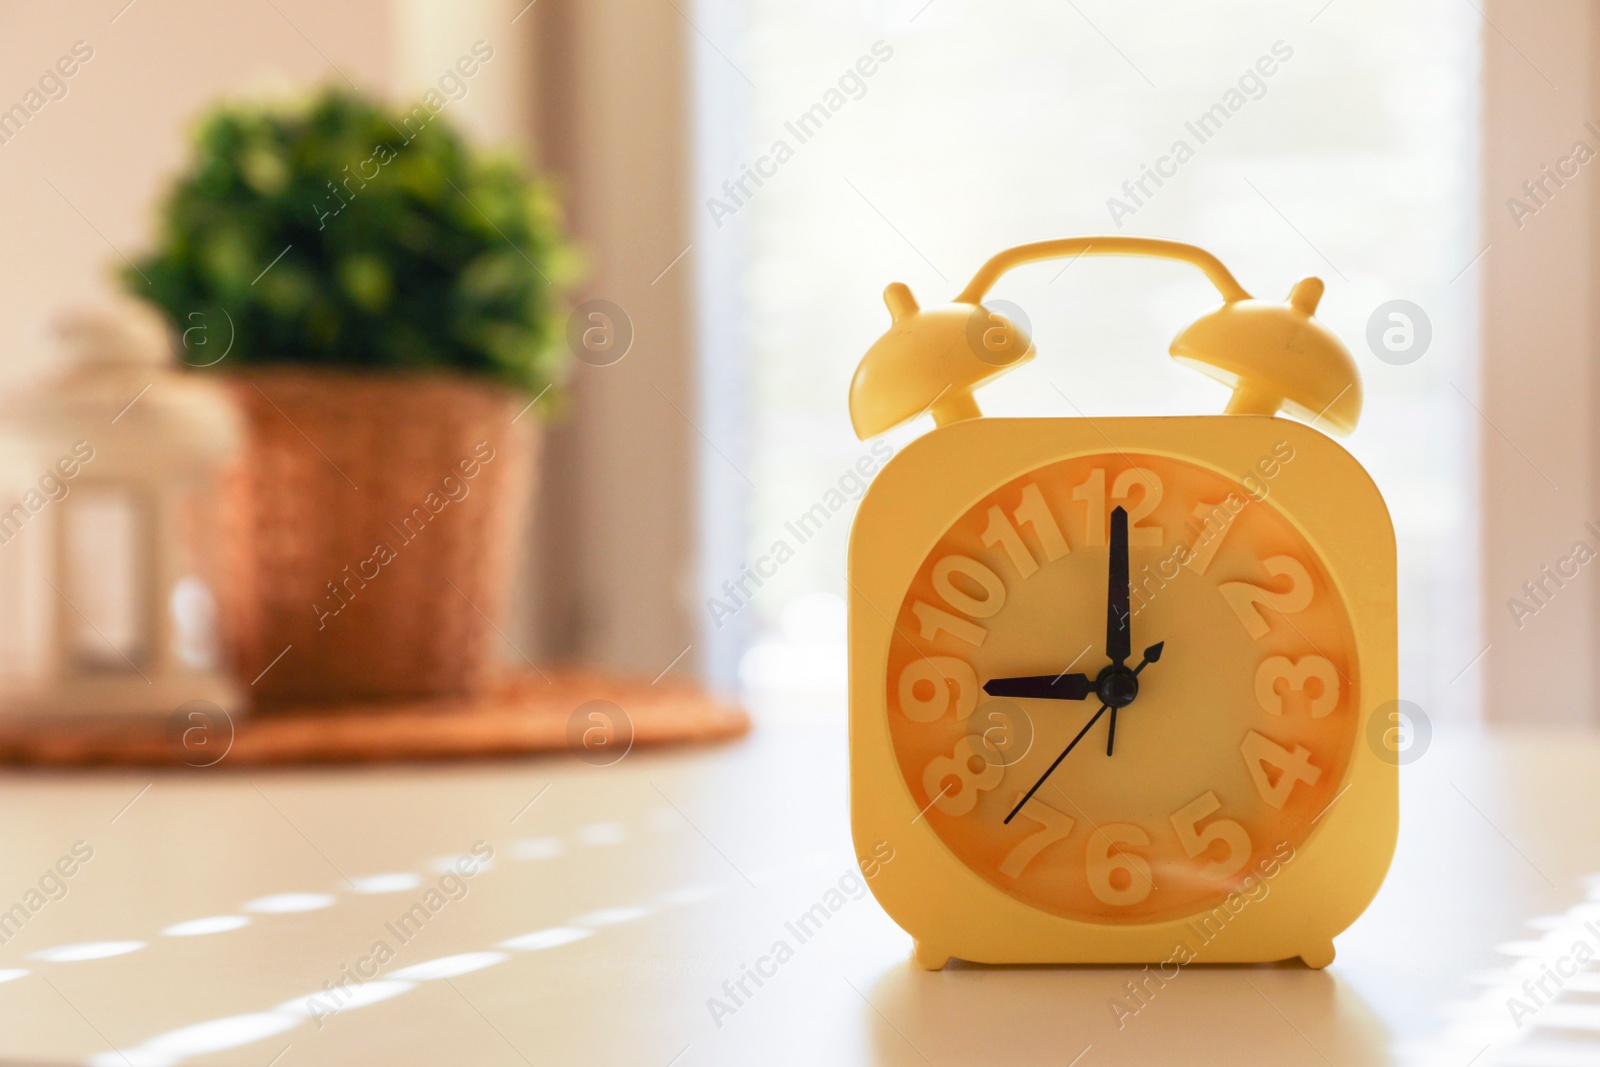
(1194, 766)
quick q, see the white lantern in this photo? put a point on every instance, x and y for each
(112, 528)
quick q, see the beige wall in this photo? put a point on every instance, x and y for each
(109, 145)
(1539, 381)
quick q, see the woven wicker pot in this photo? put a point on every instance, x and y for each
(380, 524)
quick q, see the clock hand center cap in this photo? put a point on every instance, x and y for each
(1117, 686)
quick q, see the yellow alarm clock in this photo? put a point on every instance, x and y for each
(1111, 679)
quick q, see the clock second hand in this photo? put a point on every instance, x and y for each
(1151, 655)
(1029, 794)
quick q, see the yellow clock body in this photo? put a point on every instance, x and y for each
(1234, 810)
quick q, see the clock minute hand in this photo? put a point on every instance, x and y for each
(1119, 622)
(1073, 744)
(1041, 687)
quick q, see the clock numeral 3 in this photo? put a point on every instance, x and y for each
(1293, 766)
(1197, 842)
(1297, 677)
(1054, 826)
(1033, 512)
(1092, 491)
(969, 782)
(929, 686)
(1246, 598)
(1104, 862)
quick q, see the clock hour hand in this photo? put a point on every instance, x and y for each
(1119, 622)
(1070, 746)
(1042, 686)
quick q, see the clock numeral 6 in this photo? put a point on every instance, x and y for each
(1197, 842)
(1033, 512)
(929, 686)
(969, 781)
(1247, 598)
(1055, 826)
(1297, 676)
(1104, 861)
(1292, 766)
(1092, 491)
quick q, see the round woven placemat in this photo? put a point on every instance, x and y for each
(595, 717)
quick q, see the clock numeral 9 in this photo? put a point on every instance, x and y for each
(969, 782)
(1055, 826)
(1104, 860)
(1197, 842)
(944, 680)
(1092, 491)
(1297, 677)
(1292, 766)
(1034, 512)
(1246, 598)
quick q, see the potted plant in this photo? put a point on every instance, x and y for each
(385, 304)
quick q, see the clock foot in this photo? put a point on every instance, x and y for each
(927, 957)
(1318, 956)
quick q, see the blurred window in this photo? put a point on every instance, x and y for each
(1335, 139)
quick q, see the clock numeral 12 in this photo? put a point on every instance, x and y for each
(1092, 491)
(1293, 766)
(1033, 512)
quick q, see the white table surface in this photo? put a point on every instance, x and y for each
(674, 869)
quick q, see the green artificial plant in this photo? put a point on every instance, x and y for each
(347, 235)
